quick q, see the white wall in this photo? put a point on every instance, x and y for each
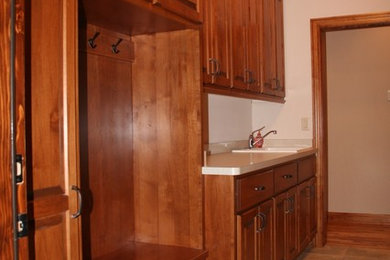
(297, 14)
(230, 118)
(358, 63)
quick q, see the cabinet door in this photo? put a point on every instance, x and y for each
(265, 231)
(254, 50)
(217, 43)
(281, 209)
(312, 211)
(291, 224)
(189, 9)
(286, 237)
(239, 14)
(51, 136)
(247, 235)
(272, 48)
(304, 200)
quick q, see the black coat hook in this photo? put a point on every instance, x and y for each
(115, 46)
(91, 41)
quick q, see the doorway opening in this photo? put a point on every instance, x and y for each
(319, 28)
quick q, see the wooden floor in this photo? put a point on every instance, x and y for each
(359, 230)
(344, 252)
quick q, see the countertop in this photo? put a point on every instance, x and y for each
(239, 163)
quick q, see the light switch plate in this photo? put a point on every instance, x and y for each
(305, 124)
(388, 95)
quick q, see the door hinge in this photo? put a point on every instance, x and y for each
(22, 225)
(19, 168)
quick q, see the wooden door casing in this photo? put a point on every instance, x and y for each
(52, 139)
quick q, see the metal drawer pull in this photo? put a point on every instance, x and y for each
(263, 220)
(259, 188)
(80, 197)
(287, 176)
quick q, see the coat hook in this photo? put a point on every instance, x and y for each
(91, 41)
(115, 46)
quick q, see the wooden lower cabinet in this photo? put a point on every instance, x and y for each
(263, 215)
(255, 232)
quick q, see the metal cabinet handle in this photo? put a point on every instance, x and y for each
(263, 221)
(80, 198)
(217, 67)
(287, 176)
(259, 188)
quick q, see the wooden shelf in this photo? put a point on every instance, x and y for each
(145, 251)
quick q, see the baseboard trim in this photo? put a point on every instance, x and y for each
(366, 230)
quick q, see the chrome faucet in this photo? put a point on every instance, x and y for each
(251, 139)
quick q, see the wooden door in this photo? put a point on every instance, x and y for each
(217, 43)
(265, 232)
(272, 48)
(6, 235)
(247, 235)
(51, 129)
(239, 43)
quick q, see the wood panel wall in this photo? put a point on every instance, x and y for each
(5, 135)
(106, 143)
(167, 139)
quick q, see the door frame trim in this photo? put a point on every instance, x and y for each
(319, 27)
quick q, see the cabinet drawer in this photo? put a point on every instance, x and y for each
(254, 189)
(286, 176)
(306, 168)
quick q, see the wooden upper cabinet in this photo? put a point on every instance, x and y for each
(217, 43)
(243, 48)
(273, 82)
(189, 9)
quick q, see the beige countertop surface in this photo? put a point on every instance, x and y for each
(239, 163)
